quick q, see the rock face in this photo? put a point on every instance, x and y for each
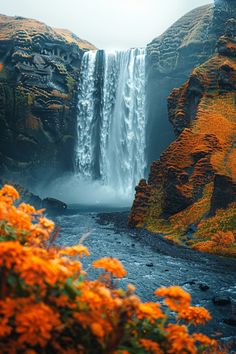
(196, 175)
(39, 68)
(172, 57)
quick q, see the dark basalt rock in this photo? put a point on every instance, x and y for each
(221, 300)
(203, 287)
(39, 70)
(53, 205)
(224, 193)
(231, 321)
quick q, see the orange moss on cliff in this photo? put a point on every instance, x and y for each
(196, 175)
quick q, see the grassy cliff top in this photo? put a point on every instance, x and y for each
(10, 25)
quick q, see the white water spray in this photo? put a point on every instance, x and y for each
(118, 148)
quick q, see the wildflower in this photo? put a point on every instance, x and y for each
(7, 309)
(75, 250)
(195, 315)
(204, 340)
(10, 192)
(175, 297)
(150, 311)
(47, 224)
(35, 323)
(27, 208)
(111, 265)
(150, 346)
(38, 233)
(131, 289)
(179, 340)
(97, 330)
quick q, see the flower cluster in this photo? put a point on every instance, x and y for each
(49, 305)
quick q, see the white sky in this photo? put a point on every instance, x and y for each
(108, 24)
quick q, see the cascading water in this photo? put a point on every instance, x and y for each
(111, 119)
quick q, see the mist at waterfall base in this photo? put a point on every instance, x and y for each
(76, 191)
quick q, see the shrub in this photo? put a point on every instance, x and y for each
(49, 305)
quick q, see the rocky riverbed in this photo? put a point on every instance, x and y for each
(152, 262)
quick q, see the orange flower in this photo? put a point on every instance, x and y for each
(131, 289)
(35, 323)
(7, 309)
(176, 298)
(179, 340)
(27, 208)
(10, 192)
(195, 315)
(204, 340)
(97, 330)
(150, 346)
(111, 265)
(75, 250)
(39, 234)
(150, 311)
(47, 224)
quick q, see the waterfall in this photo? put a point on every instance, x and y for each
(111, 119)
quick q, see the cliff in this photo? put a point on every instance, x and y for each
(191, 191)
(39, 69)
(172, 56)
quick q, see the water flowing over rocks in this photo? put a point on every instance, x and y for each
(111, 119)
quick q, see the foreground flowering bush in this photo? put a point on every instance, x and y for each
(48, 304)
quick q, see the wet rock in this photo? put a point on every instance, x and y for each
(231, 321)
(203, 287)
(53, 205)
(190, 282)
(221, 300)
(224, 193)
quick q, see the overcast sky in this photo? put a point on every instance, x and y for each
(108, 24)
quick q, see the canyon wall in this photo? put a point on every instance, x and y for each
(195, 177)
(39, 72)
(171, 58)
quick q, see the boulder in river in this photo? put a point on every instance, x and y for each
(53, 205)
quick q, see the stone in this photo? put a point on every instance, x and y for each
(224, 193)
(53, 205)
(203, 287)
(221, 300)
(231, 321)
